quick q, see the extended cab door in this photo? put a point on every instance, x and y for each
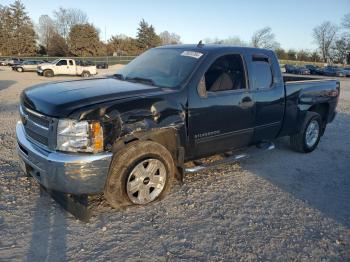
(221, 110)
(268, 94)
(65, 67)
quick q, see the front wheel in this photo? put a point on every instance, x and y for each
(20, 69)
(48, 73)
(309, 136)
(140, 173)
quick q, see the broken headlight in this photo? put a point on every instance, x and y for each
(79, 136)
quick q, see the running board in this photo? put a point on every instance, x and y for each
(264, 146)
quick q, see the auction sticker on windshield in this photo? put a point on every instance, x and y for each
(193, 54)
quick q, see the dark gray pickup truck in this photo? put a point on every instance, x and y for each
(129, 135)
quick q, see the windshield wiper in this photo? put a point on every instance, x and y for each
(119, 76)
(141, 80)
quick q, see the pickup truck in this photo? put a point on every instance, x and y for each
(132, 134)
(65, 67)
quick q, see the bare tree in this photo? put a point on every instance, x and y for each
(65, 19)
(233, 40)
(46, 30)
(346, 21)
(325, 35)
(339, 51)
(264, 38)
(169, 38)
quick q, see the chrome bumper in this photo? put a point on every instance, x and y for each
(68, 173)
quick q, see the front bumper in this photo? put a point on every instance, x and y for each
(40, 72)
(69, 173)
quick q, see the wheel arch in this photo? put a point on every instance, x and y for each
(323, 110)
(166, 136)
(48, 70)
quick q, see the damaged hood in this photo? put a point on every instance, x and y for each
(59, 99)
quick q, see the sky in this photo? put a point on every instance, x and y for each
(291, 21)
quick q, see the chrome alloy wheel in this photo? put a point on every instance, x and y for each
(146, 181)
(312, 133)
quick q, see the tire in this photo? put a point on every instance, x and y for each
(125, 186)
(48, 73)
(20, 69)
(306, 141)
(85, 74)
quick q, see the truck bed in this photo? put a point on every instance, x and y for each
(301, 92)
(290, 78)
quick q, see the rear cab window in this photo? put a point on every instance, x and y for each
(262, 72)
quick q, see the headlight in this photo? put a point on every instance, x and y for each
(79, 136)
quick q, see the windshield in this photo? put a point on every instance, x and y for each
(55, 61)
(161, 67)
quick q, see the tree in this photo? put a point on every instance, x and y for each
(146, 36)
(123, 45)
(303, 55)
(291, 54)
(340, 50)
(84, 40)
(41, 50)
(65, 19)
(314, 57)
(6, 29)
(264, 38)
(233, 40)
(17, 35)
(46, 29)
(169, 38)
(346, 21)
(281, 53)
(57, 46)
(324, 35)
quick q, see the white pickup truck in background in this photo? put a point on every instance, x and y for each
(66, 67)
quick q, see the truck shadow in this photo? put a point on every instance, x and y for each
(320, 179)
(49, 232)
(6, 83)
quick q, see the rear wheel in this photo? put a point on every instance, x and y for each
(309, 136)
(85, 74)
(140, 173)
(48, 73)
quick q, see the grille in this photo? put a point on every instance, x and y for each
(36, 125)
(37, 137)
(35, 118)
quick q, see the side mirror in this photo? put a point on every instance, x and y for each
(201, 88)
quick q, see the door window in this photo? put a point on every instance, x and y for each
(226, 73)
(62, 62)
(71, 62)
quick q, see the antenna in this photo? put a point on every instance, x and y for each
(200, 44)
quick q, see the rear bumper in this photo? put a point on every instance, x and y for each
(69, 173)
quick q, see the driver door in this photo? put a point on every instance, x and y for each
(222, 116)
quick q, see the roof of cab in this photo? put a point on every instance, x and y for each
(212, 47)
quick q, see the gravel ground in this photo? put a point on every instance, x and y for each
(278, 206)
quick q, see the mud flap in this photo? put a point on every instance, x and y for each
(75, 205)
